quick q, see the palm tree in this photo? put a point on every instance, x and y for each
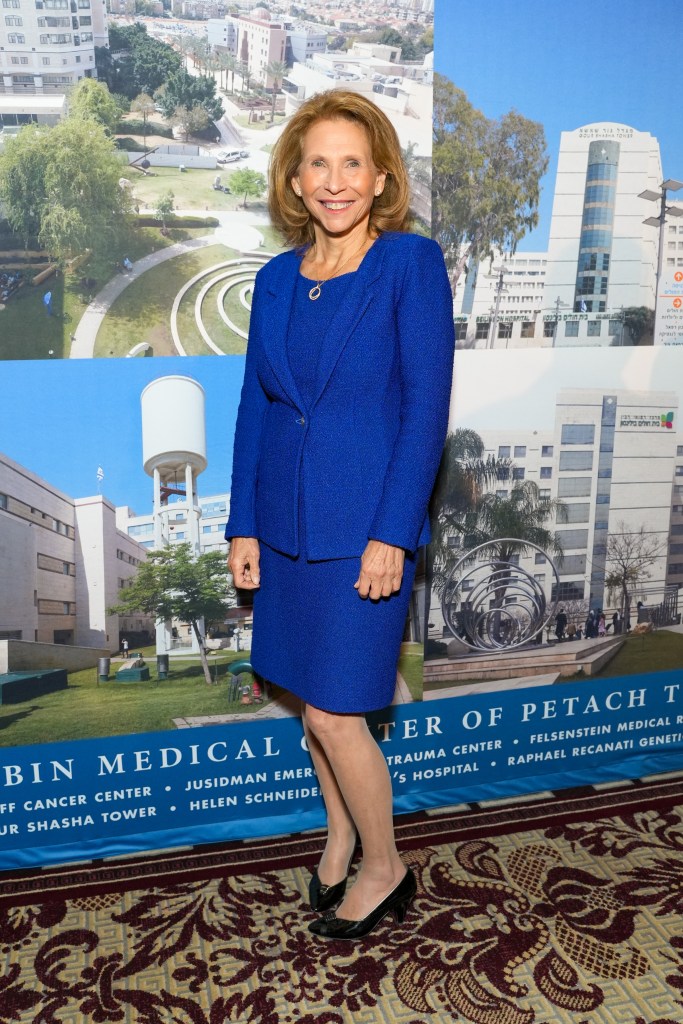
(509, 524)
(464, 472)
(276, 70)
(227, 62)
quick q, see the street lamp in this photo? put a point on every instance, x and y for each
(495, 311)
(556, 305)
(670, 185)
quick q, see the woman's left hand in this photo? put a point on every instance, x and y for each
(381, 570)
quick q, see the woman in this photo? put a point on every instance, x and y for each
(339, 433)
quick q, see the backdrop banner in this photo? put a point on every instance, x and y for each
(116, 795)
(544, 642)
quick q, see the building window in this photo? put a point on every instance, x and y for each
(503, 451)
(573, 565)
(548, 328)
(518, 473)
(544, 494)
(578, 433)
(520, 451)
(576, 460)
(571, 329)
(547, 451)
(568, 591)
(482, 331)
(539, 559)
(528, 328)
(502, 494)
(574, 487)
(546, 472)
(13, 20)
(578, 512)
(46, 60)
(594, 327)
(461, 332)
(504, 330)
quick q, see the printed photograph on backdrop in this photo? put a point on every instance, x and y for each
(150, 246)
(557, 522)
(558, 207)
(107, 501)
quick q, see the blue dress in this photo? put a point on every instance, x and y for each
(313, 634)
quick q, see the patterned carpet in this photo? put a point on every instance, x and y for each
(561, 908)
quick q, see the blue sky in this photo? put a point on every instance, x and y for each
(65, 418)
(568, 64)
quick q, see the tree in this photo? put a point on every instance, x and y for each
(512, 523)
(630, 555)
(639, 321)
(174, 584)
(164, 210)
(228, 64)
(277, 69)
(92, 99)
(464, 471)
(248, 183)
(143, 104)
(190, 119)
(486, 176)
(139, 62)
(62, 184)
(183, 90)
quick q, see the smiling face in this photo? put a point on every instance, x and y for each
(337, 178)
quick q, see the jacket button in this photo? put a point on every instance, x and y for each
(301, 420)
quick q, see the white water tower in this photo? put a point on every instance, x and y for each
(174, 454)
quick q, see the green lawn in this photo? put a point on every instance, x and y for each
(192, 189)
(27, 332)
(410, 666)
(143, 311)
(651, 652)
(258, 126)
(89, 708)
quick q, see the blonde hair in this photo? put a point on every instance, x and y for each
(390, 210)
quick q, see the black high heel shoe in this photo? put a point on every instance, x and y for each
(324, 897)
(397, 902)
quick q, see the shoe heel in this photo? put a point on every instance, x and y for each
(401, 909)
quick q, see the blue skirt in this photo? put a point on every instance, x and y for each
(314, 636)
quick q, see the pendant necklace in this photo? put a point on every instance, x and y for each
(315, 291)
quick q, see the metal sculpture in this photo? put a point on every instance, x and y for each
(493, 604)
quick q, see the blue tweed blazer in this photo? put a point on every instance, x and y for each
(368, 448)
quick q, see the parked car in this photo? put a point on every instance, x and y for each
(228, 156)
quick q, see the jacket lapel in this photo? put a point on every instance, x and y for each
(348, 315)
(280, 297)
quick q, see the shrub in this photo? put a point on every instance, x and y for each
(135, 126)
(148, 221)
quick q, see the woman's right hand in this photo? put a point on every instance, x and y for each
(243, 562)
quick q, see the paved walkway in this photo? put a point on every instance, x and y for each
(236, 230)
(286, 706)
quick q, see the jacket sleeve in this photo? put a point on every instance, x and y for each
(247, 443)
(426, 345)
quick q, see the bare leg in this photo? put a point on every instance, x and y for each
(356, 763)
(341, 831)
